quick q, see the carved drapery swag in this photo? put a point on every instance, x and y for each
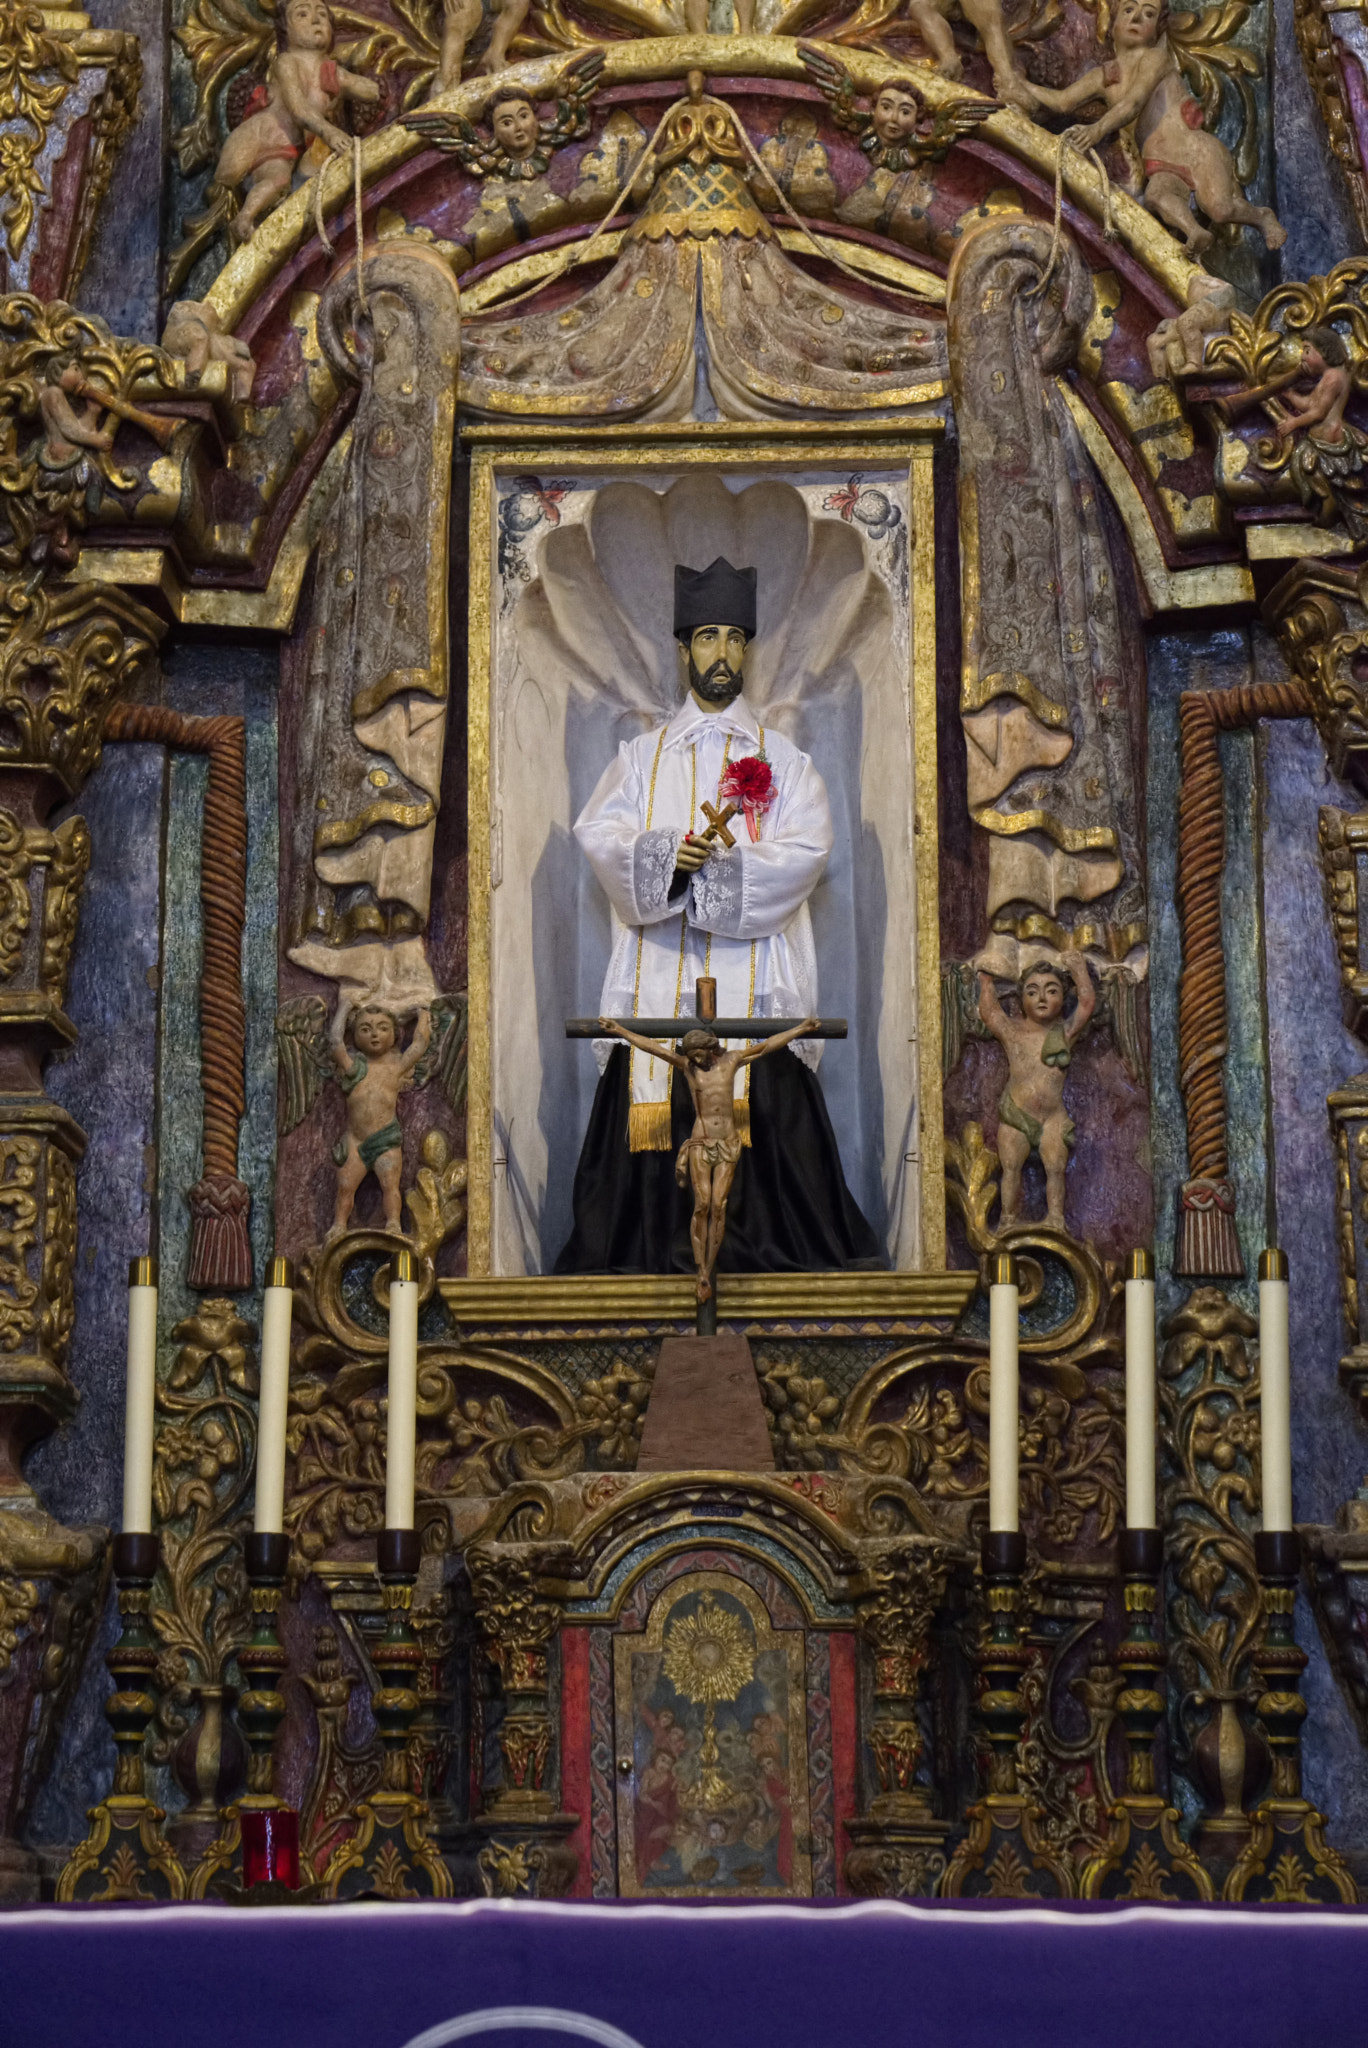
(778, 341)
(1051, 767)
(373, 720)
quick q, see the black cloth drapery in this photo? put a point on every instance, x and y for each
(789, 1211)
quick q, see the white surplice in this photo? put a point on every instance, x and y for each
(742, 918)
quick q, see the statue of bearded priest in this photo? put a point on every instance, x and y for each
(684, 907)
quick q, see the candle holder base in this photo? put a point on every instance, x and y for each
(126, 1856)
(1005, 1855)
(1288, 1861)
(391, 1855)
(1288, 1833)
(1146, 1858)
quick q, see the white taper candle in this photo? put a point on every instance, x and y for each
(1275, 1383)
(277, 1311)
(1003, 1437)
(1140, 1401)
(401, 1427)
(140, 1396)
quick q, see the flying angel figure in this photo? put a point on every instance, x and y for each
(898, 131)
(519, 144)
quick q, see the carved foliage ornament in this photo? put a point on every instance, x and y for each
(36, 72)
(66, 655)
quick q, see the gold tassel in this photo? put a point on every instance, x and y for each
(648, 1126)
(741, 1112)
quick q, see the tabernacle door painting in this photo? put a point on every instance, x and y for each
(573, 658)
(711, 1707)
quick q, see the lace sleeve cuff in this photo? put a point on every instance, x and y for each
(719, 896)
(653, 866)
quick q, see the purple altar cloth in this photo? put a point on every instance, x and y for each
(505, 1974)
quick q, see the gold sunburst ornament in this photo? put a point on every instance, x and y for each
(709, 1656)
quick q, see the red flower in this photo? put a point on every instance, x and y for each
(750, 785)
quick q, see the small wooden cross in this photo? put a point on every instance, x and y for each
(718, 822)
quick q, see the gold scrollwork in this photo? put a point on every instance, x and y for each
(37, 71)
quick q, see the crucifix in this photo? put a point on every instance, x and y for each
(709, 1155)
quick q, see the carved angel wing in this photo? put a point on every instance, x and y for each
(836, 83)
(445, 1059)
(960, 1017)
(948, 123)
(578, 87)
(1120, 993)
(304, 1061)
(455, 136)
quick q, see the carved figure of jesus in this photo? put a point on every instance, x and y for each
(303, 94)
(372, 1078)
(709, 1154)
(1038, 1045)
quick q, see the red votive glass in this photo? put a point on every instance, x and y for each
(270, 1846)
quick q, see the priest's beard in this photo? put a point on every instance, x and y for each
(716, 684)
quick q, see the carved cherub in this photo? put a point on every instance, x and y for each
(520, 145)
(1177, 347)
(460, 20)
(372, 1077)
(1144, 84)
(1328, 461)
(709, 1155)
(67, 433)
(300, 99)
(1038, 1045)
(898, 131)
(194, 334)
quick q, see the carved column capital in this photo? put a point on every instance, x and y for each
(1319, 612)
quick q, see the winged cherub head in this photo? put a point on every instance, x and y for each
(896, 112)
(514, 124)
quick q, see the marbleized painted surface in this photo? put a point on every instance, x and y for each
(122, 278)
(1310, 1052)
(107, 1082)
(1311, 200)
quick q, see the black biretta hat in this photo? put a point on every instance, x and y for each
(716, 596)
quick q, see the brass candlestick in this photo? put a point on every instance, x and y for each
(392, 1854)
(1145, 1856)
(1005, 1855)
(126, 1856)
(1287, 1859)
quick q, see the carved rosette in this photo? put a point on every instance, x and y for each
(898, 1844)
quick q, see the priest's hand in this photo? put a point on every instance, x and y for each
(691, 855)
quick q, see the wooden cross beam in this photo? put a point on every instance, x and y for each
(707, 1019)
